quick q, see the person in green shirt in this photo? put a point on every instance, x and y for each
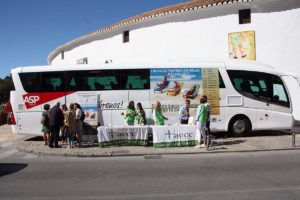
(158, 117)
(45, 124)
(129, 114)
(141, 116)
(201, 117)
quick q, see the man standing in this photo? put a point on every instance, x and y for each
(184, 112)
(208, 113)
(56, 120)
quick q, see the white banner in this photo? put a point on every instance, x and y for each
(175, 135)
(129, 135)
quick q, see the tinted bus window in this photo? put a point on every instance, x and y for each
(52, 81)
(135, 79)
(12, 85)
(221, 82)
(93, 80)
(259, 86)
(77, 81)
(31, 82)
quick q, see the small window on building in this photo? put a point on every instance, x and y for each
(62, 55)
(125, 36)
(245, 16)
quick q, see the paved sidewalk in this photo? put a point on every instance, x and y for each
(259, 141)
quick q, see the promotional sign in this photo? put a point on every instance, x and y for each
(211, 89)
(88, 102)
(171, 86)
(175, 136)
(131, 135)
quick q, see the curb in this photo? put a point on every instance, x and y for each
(147, 155)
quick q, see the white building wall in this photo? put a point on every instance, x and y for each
(276, 33)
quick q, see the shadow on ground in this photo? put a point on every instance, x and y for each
(10, 168)
(37, 138)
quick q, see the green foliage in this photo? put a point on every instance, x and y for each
(5, 85)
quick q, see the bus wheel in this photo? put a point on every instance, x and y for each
(239, 126)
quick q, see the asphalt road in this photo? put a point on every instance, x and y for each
(259, 175)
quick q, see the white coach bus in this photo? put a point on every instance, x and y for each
(244, 96)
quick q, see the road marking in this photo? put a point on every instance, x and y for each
(6, 144)
(29, 156)
(8, 153)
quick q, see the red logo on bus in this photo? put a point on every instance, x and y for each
(36, 99)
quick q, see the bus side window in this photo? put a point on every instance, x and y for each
(136, 82)
(259, 86)
(276, 98)
(135, 79)
(71, 85)
(279, 94)
(98, 86)
(52, 81)
(31, 81)
(245, 87)
(221, 82)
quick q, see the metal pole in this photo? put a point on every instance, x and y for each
(293, 140)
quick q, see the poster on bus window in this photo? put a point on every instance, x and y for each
(242, 45)
(88, 103)
(172, 86)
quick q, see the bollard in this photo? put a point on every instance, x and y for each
(293, 140)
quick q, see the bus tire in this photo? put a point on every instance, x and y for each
(239, 126)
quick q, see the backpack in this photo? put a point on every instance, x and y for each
(82, 116)
(45, 120)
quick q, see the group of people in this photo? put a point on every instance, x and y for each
(131, 114)
(62, 119)
(202, 118)
(69, 121)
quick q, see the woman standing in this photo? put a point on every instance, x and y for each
(158, 117)
(45, 124)
(64, 130)
(129, 114)
(70, 124)
(79, 123)
(141, 116)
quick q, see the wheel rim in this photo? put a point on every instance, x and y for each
(239, 126)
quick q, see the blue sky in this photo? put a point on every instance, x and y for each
(31, 29)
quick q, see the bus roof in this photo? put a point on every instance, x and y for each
(229, 64)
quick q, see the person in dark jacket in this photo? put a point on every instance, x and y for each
(56, 120)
